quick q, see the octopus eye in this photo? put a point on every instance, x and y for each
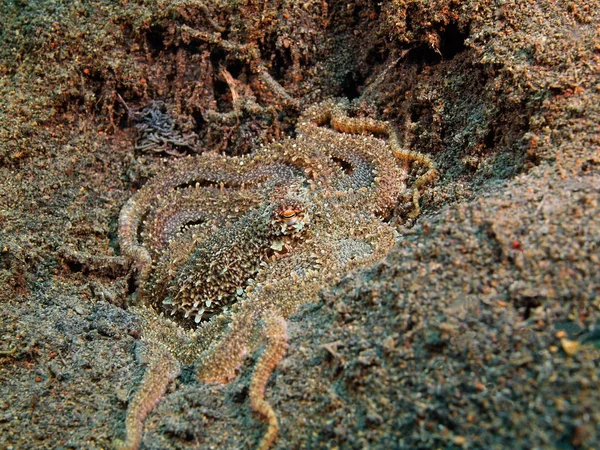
(290, 218)
(288, 213)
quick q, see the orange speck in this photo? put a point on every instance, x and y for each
(86, 71)
(460, 440)
(38, 379)
(570, 347)
(501, 303)
(561, 334)
(516, 245)
(143, 80)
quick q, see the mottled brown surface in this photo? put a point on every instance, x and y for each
(226, 249)
(455, 340)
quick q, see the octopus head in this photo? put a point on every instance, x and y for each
(291, 217)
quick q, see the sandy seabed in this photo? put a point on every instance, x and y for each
(481, 329)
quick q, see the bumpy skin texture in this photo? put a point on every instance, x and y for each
(228, 248)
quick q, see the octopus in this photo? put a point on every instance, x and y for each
(227, 248)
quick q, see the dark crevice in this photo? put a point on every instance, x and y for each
(235, 68)
(526, 304)
(423, 55)
(217, 56)
(199, 120)
(241, 396)
(346, 167)
(222, 95)
(490, 138)
(351, 84)
(123, 119)
(415, 114)
(171, 77)
(377, 55)
(131, 285)
(195, 47)
(280, 63)
(73, 266)
(452, 41)
(278, 58)
(155, 38)
(192, 223)
(184, 435)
